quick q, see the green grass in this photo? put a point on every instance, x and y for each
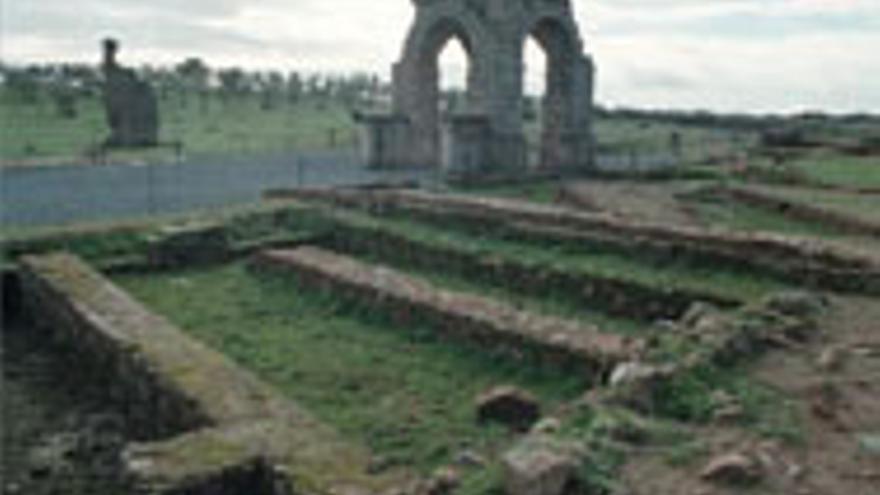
(239, 125)
(537, 192)
(680, 275)
(29, 131)
(864, 206)
(734, 215)
(401, 391)
(550, 304)
(619, 135)
(765, 411)
(841, 170)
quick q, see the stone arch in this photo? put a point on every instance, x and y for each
(416, 76)
(490, 135)
(559, 39)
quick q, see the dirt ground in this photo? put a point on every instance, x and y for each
(834, 383)
(634, 201)
(58, 437)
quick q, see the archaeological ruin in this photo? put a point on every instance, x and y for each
(489, 135)
(130, 104)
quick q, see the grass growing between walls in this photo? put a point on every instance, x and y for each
(404, 392)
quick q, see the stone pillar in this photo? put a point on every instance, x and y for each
(465, 144)
(416, 95)
(508, 147)
(384, 140)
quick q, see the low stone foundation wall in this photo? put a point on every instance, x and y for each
(207, 422)
(838, 221)
(613, 296)
(489, 323)
(805, 261)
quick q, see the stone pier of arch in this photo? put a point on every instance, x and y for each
(489, 137)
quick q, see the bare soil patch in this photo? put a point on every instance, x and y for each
(837, 404)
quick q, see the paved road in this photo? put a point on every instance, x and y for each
(61, 195)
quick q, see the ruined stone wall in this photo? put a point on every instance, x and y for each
(491, 324)
(615, 296)
(801, 211)
(494, 33)
(807, 261)
(207, 423)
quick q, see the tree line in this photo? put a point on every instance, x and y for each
(193, 82)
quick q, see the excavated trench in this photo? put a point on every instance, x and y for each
(60, 434)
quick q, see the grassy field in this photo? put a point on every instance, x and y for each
(733, 215)
(240, 125)
(840, 170)
(30, 131)
(401, 391)
(619, 135)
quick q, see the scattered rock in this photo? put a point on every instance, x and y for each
(729, 414)
(866, 350)
(825, 400)
(379, 464)
(539, 465)
(510, 406)
(799, 304)
(796, 472)
(732, 469)
(469, 458)
(633, 384)
(626, 428)
(697, 312)
(726, 407)
(832, 358)
(53, 456)
(625, 374)
(870, 444)
(547, 425)
(444, 481)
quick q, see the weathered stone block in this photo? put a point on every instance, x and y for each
(540, 465)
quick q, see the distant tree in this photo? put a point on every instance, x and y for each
(64, 96)
(233, 83)
(194, 76)
(314, 86)
(83, 79)
(161, 78)
(271, 87)
(24, 83)
(294, 88)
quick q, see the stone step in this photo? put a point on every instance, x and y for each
(619, 296)
(482, 320)
(808, 261)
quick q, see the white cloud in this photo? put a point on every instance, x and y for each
(720, 54)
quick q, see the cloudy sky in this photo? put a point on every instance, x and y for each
(726, 55)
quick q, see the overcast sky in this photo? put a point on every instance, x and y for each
(727, 55)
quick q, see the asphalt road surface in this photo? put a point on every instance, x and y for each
(63, 195)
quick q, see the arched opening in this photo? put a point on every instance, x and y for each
(445, 82)
(454, 66)
(553, 39)
(534, 84)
